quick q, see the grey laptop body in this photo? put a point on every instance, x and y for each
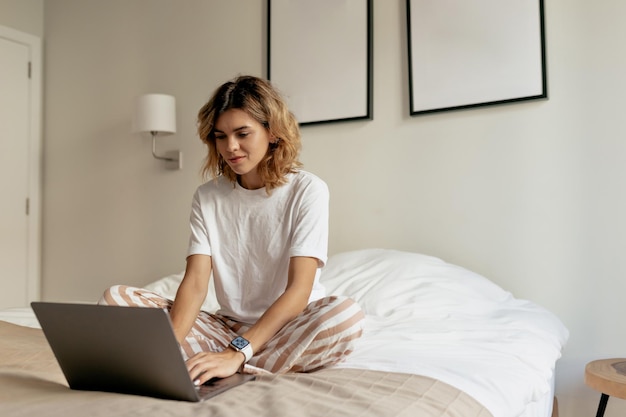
(130, 350)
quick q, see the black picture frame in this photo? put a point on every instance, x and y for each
(320, 56)
(470, 54)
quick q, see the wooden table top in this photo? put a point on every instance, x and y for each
(607, 376)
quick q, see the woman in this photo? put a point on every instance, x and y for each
(260, 228)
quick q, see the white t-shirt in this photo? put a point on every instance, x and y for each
(251, 236)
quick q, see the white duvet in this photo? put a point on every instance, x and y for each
(427, 317)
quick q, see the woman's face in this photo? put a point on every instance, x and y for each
(243, 143)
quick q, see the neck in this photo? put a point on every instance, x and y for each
(250, 183)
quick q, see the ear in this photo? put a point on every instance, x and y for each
(274, 144)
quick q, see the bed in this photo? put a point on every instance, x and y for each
(439, 340)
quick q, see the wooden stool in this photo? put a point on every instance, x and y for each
(607, 376)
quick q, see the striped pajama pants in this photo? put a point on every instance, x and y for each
(322, 335)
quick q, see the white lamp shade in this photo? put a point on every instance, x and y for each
(155, 113)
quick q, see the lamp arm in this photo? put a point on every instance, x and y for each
(164, 158)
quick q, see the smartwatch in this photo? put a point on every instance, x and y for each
(242, 345)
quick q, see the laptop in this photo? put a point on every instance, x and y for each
(129, 350)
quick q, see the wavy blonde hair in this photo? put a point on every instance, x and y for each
(263, 102)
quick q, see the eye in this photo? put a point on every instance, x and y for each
(219, 136)
(243, 134)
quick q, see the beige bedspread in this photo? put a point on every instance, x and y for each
(31, 384)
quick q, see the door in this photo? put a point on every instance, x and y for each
(19, 243)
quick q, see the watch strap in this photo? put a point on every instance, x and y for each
(247, 352)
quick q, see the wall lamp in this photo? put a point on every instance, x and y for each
(156, 114)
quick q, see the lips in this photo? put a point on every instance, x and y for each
(235, 159)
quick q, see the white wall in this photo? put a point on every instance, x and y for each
(113, 213)
(530, 195)
(25, 16)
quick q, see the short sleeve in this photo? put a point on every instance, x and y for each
(310, 236)
(199, 238)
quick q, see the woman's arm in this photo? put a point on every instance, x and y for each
(190, 295)
(291, 303)
(301, 275)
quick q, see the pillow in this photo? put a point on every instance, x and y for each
(387, 281)
(167, 287)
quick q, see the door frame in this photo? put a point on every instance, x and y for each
(33, 256)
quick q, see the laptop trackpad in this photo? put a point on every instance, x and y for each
(218, 385)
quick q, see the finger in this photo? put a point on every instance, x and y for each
(190, 363)
(197, 359)
(200, 374)
(203, 378)
(196, 366)
(196, 376)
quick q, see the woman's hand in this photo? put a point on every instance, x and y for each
(206, 365)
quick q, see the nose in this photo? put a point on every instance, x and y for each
(232, 144)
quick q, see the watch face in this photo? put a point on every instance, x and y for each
(239, 342)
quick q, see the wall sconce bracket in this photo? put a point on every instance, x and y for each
(173, 159)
